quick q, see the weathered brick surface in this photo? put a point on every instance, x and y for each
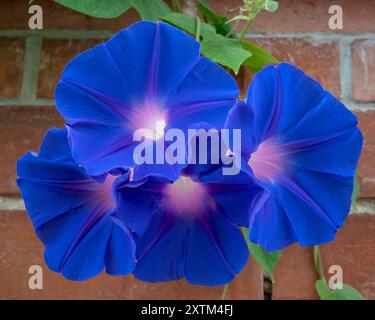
(55, 55)
(292, 16)
(20, 248)
(363, 53)
(12, 53)
(319, 60)
(295, 275)
(366, 120)
(353, 250)
(14, 15)
(22, 129)
(308, 16)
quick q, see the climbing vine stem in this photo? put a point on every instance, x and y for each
(225, 292)
(318, 263)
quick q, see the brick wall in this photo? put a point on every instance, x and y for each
(30, 65)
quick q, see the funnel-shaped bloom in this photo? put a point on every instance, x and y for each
(189, 228)
(303, 145)
(73, 214)
(149, 76)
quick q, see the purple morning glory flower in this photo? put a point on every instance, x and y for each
(73, 215)
(303, 145)
(189, 227)
(148, 73)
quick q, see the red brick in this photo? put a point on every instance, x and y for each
(248, 285)
(366, 120)
(22, 128)
(14, 15)
(292, 16)
(363, 54)
(12, 53)
(319, 60)
(353, 249)
(21, 248)
(55, 55)
(307, 16)
(295, 275)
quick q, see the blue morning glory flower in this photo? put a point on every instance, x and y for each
(189, 227)
(303, 145)
(73, 215)
(148, 73)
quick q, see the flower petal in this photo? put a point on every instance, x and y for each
(50, 189)
(337, 156)
(198, 240)
(241, 116)
(100, 149)
(205, 95)
(271, 227)
(153, 58)
(161, 249)
(263, 97)
(103, 91)
(119, 248)
(137, 200)
(71, 213)
(279, 97)
(236, 195)
(308, 207)
(76, 242)
(216, 251)
(298, 94)
(326, 194)
(205, 251)
(305, 153)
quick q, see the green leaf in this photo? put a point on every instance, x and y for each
(346, 293)
(356, 190)
(98, 8)
(151, 10)
(219, 22)
(225, 51)
(187, 23)
(267, 260)
(259, 57)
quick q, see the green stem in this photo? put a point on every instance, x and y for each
(225, 292)
(198, 29)
(318, 263)
(246, 28)
(176, 5)
(232, 30)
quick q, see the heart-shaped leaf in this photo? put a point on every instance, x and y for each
(346, 293)
(267, 260)
(225, 51)
(151, 10)
(98, 8)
